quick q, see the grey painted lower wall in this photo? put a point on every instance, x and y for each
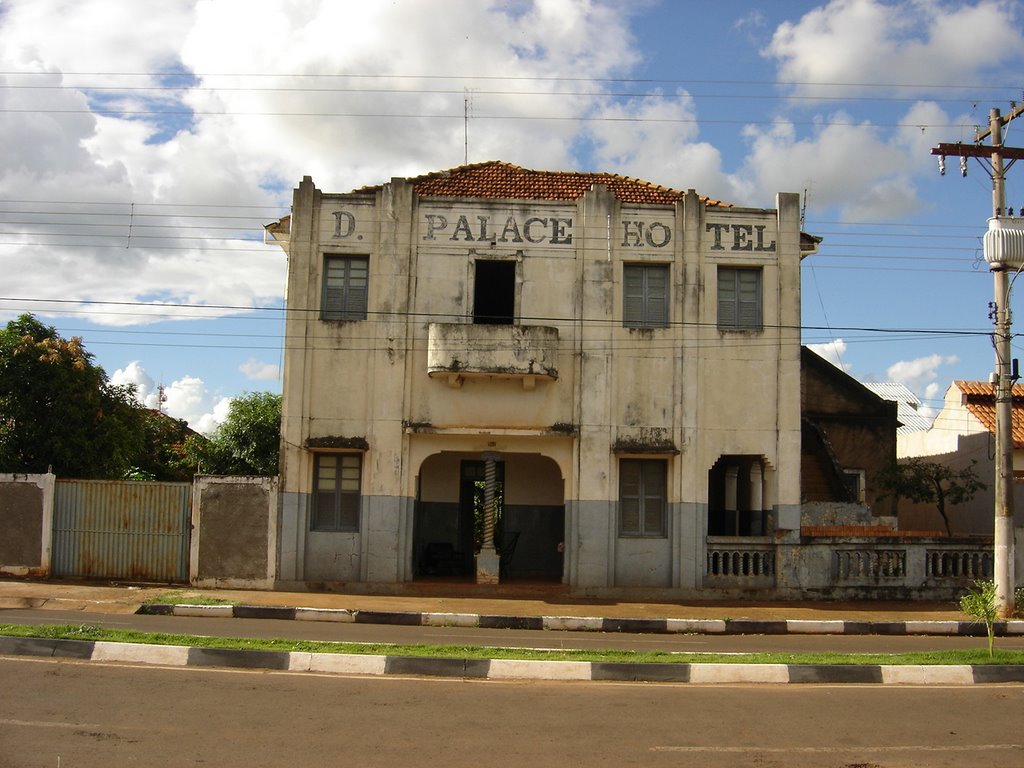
(589, 546)
(378, 553)
(384, 525)
(291, 536)
(599, 563)
(643, 562)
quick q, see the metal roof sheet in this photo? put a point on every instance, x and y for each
(910, 418)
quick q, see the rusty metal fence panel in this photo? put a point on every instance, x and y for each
(121, 529)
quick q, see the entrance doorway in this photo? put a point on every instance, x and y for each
(530, 520)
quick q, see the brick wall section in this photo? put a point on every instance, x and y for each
(864, 531)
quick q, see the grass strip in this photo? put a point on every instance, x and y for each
(187, 598)
(977, 656)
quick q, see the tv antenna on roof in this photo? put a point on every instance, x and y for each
(467, 108)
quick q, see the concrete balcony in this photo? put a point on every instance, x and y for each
(458, 351)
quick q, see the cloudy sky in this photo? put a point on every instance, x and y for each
(146, 143)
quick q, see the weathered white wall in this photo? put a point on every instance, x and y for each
(688, 393)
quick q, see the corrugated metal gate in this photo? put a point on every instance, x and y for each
(121, 529)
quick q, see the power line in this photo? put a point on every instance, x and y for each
(111, 112)
(526, 78)
(391, 316)
(659, 95)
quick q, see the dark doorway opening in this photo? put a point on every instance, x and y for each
(529, 537)
(494, 293)
(737, 516)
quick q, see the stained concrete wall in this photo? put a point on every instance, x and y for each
(686, 393)
(234, 532)
(26, 524)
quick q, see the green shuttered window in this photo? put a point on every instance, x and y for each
(345, 288)
(336, 485)
(642, 498)
(645, 295)
(739, 299)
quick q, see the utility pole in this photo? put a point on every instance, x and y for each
(1001, 261)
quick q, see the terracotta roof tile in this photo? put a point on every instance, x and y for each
(981, 403)
(496, 179)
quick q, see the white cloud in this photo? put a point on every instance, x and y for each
(656, 139)
(208, 422)
(871, 171)
(167, 231)
(257, 370)
(145, 388)
(186, 398)
(920, 374)
(832, 351)
(844, 163)
(920, 42)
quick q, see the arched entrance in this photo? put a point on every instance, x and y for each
(448, 518)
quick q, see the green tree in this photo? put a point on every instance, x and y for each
(164, 455)
(247, 443)
(927, 482)
(59, 410)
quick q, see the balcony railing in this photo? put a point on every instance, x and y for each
(740, 561)
(861, 567)
(458, 351)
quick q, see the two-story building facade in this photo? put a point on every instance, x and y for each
(498, 373)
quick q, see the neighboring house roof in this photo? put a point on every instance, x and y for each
(496, 179)
(907, 404)
(980, 401)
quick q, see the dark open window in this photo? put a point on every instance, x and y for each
(494, 293)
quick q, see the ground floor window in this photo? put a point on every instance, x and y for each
(336, 483)
(642, 497)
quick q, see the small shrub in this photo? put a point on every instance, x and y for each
(980, 603)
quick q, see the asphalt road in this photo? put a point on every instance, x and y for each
(65, 714)
(378, 633)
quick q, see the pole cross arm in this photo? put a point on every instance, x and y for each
(977, 150)
(1017, 111)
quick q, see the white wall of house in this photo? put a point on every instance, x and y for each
(959, 440)
(562, 396)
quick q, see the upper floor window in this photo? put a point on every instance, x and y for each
(645, 295)
(494, 292)
(345, 287)
(739, 299)
(854, 480)
(642, 497)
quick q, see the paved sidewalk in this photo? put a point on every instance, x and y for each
(513, 607)
(450, 597)
(549, 608)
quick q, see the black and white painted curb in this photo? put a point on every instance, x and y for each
(508, 669)
(595, 624)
